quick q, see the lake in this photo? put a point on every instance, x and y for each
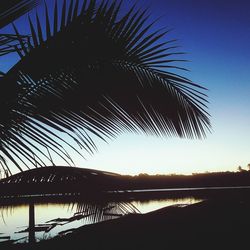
(36, 218)
(49, 219)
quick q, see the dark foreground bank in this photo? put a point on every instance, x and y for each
(211, 224)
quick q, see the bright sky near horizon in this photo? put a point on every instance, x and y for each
(216, 36)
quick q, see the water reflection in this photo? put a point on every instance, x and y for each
(32, 222)
(35, 221)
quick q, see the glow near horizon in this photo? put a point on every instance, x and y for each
(216, 37)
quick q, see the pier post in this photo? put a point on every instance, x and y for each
(32, 238)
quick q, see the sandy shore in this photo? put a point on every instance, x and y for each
(211, 224)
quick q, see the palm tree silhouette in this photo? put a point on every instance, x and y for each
(90, 70)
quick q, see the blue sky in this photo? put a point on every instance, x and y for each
(216, 36)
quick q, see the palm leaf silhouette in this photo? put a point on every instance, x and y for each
(9, 11)
(10, 43)
(93, 71)
(12, 9)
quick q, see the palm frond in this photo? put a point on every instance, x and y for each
(9, 11)
(12, 9)
(96, 73)
(10, 43)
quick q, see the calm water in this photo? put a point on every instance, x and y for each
(52, 219)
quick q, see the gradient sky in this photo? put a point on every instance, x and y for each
(216, 36)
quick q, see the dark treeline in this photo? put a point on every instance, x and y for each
(215, 179)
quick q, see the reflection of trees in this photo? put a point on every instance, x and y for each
(5, 211)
